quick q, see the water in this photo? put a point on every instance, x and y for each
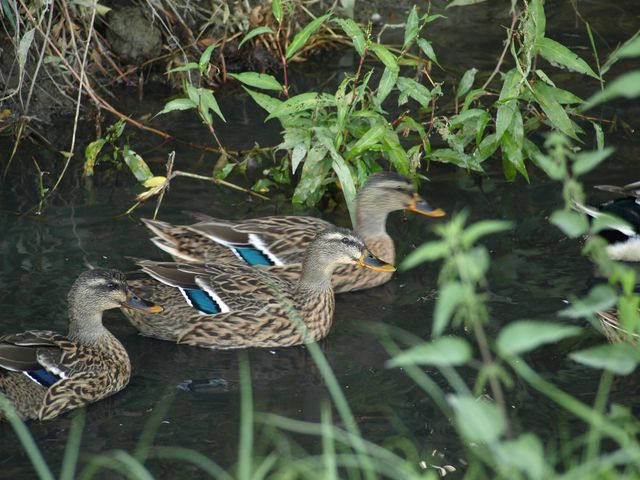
(534, 269)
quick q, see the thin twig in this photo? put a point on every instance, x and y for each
(507, 43)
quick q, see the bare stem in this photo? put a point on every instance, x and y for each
(507, 43)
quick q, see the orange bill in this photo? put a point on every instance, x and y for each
(137, 303)
(420, 206)
(370, 261)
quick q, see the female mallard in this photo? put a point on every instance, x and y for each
(623, 245)
(282, 240)
(237, 306)
(44, 373)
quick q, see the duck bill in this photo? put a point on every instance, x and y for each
(370, 261)
(137, 303)
(418, 205)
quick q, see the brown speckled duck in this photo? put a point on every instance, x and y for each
(228, 306)
(279, 242)
(44, 373)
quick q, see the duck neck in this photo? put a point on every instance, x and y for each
(316, 273)
(371, 218)
(85, 322)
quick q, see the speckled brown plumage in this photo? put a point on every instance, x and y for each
(89, 363)
(287, 237)
(259, 309)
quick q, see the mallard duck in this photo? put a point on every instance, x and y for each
(624, 240)
(280, 241)
(228, 306)
(623, 245)
(44, 373)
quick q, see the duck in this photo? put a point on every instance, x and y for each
(230, 306)
(623, 244)
(623, 241)
(44, 373)
(279, 242)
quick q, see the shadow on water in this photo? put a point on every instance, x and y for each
(534, 269)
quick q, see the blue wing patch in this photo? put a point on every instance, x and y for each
(201, 300)
(253, 256)
(42, 377)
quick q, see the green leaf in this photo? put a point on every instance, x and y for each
(507, 102)
(587, 161)
(184, 68)
(559, 55)
(373, 136)
(462, 3)
(177, 104)
(410, 88)
(525, 454)
(314, 172)
(276, 9)
(599, 135)
(412, 28)
(443, 352)
(427, 49)
(355, 33)
(573, 224)
(137, 165)
(300, 103)
(620, 358)
(526, 335)
(554, 111)
(385, 56)
(209, 102)
(23, 48)
(460, 159)
(254, 33)
(303, 36)
(536, 11)
(478, 420)
(257, 80)
(449, 297)
(466, 82)
(627, 86)
(600, 297)
(483, 228)
(427, 252)
(205, 57)
(387, 82)
(344, 174)
(270, 104)
(91, 154)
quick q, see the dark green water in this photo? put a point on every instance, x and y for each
(534, 268)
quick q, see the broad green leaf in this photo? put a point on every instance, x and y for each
(573, 224)
(463, 117)
(466, 82)
(276, 9)
(525, 454)
(427, 252)
(600, 297)
(427, 49)
(536, 11)
(599, 135)
(355, 33)
(411, 28)
(587, 161)
(301, 103)
(471, 96)
(297, 156)
(387, 82)
(562, 96)
(478, 420)
(372, 137)
(526, 335)
(303, 36)
(314, 172)
(483, 228)
(410, 88)
(442, 352)
(627, 86)
(449, 297)
(91, 154)
(137, 165)
(543, 76)
(254, 33)
(460, 159)
(346, 182)
(270, 104)
(630, 48)
(177, 104)
(385, 56)
(23, 48)
(257, 80)
(559, 55)
(554, 111)
(205, 57)
(507, 102)
(620, 358)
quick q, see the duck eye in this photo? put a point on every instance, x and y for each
(112, 286)
(345, 240)
(400, 189)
